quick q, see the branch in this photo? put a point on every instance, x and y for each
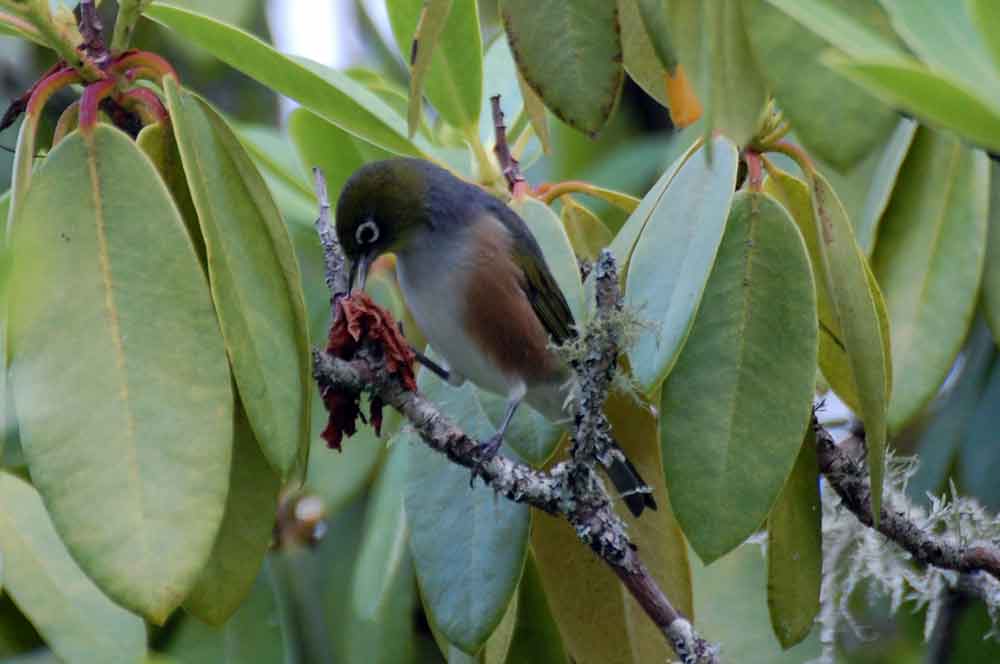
(571, 489)
(848, 476)
(509, 166)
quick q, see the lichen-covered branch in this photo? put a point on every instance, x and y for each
(572, 489)
(509, 166)
(848, 476)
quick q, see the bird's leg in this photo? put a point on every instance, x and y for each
(433, 366)
(488, 449)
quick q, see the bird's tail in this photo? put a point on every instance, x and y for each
(630, 485)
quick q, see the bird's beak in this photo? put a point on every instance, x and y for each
(359, 271)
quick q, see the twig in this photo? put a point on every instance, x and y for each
(335, 268)
(91, 28)
(509, 166)
(848, 476)
(571, 489)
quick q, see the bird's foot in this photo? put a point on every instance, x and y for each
(484, 453)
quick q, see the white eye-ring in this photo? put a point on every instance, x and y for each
(367, 233)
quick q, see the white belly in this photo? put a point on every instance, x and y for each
(432, 291)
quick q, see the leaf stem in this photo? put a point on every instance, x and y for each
(129, 12)
(91, 100)
(797, 154)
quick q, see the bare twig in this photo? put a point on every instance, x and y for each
(848, 476)
(509, 166)
(571, 489)
(91, 29)
(335, 264)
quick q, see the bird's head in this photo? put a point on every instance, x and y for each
(382, 207)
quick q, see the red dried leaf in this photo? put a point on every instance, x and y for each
(358, 319)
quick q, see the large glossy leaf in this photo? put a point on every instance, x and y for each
(730, 600)
(673, 258)
(935, 98)
(928, 261)
(587, 233)
(941, 33)
(76, 620)
(321, 143)
(985, 15)
(834, 361)
(570, 54)
(383, 541)
(642, 63)
(979, 459)
(635, 426)
(535, 635)
(650, 208)
(583, 593)
(737, 403)
(454, 70)
(548, 230)
(833, 117)
(860, 28)
(335, 96)
(466, 588)
(991, 275)
(245, 534)
(866, 188)
(795, 550)
(254, 277)
(259, 632)
(711, 43)
(855, 297)
(121, 385)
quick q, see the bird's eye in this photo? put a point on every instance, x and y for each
(367, 233)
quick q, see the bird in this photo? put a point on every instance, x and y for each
(477, 285)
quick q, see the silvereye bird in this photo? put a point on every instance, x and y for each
(477, 284)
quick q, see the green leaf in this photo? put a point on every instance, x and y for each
(978, 460)
(121, 386)
(535, 108)
(991, 274)
(950, 422)
(254, 278)
(258, 632)
(710, 39)
(586, 232)
(874, 180)
(642, 62)
(836, 119)
(939, 100)
(245, 534)
(14, 26)
(76, 620)
(942, 35)
(548, 230)
(649, 207)
(673, 258)
(449, 58)
(320, 143)
(858, 27)
(656, 20)
(383, 541)
(929, 261)
(795, 550)
(332, 95)
(466, 589)
(160, 145)
(736, 405)
(536, 636)
(855, 297)
(433, 16)
(730, 602)
(570, 54)
(985, 15)
(582, 592)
